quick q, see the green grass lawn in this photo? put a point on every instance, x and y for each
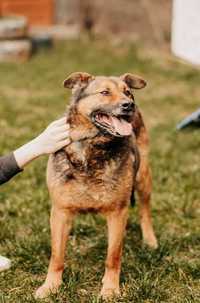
(31, 96)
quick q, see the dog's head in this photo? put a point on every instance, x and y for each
(107, 102)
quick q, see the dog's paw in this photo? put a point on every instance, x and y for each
(109, 293)
(151, 242)
(45, 290)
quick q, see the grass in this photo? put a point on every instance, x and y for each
(31, 96)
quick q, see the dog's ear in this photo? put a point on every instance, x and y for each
(133, 81)
(78, 78)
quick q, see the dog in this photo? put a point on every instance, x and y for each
(98, 172)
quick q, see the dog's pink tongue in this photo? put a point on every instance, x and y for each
(121, 126)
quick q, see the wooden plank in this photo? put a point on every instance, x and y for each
(0, 8)
(13, 28)
(38, 12)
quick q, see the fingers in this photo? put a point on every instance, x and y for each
(63, 143)
(61, 121)
(58, 129)
(61, 132)
(63, 135)
(55, 136)
(62, 128)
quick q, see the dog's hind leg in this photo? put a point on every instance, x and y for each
(144, 188)
(61, 222)
(116, 221)
(143, 184)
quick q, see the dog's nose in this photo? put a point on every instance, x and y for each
(127, 105)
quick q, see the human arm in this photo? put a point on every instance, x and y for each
(8, 168)
(53, 138)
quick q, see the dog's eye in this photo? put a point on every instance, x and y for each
(129, 94)
(105, 92)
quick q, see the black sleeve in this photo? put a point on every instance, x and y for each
(8, 168)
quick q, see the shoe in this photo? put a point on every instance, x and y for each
(5, 263)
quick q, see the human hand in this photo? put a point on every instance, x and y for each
(53, 138)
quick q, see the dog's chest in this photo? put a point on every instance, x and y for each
(87, 159)
(90, 179)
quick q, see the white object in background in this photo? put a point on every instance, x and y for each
(186, 30)
(5, 263)
(13, 27)
(15, 50)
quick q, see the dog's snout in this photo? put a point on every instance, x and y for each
(127, 105)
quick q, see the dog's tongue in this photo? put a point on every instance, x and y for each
(121, 126)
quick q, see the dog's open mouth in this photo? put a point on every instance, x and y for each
(115, 125)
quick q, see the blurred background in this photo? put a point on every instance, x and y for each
(42, 21)
(41, 43)
(130, 19)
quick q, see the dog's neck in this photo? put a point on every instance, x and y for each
(80, 127)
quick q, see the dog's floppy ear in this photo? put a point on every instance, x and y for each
(133, 81)
(78, 78)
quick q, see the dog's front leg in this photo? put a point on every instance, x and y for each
(116, 227)
(61, 222)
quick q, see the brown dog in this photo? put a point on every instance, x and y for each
(99, 171)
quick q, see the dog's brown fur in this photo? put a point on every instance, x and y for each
(96, 172)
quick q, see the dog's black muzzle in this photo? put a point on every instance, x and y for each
(125, 108)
